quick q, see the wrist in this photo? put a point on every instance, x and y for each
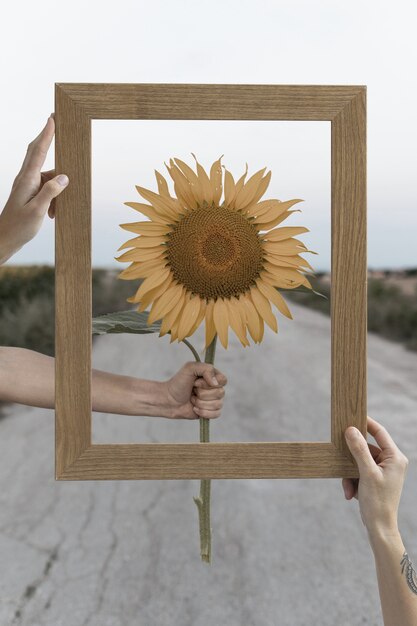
(8, 247)
(380, 535)
(150, 397)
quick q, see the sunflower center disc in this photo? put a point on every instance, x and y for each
(215, 251)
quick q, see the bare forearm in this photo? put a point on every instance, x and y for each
(8, 244)
(397, 580)
(28, 377)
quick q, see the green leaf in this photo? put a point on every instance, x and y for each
(124, 322)
(303, 289)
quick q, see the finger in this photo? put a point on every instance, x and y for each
(52, 209)
(220, 377)
(375, 451)
(381, 436)
(206, 370)
(358, 446)
(47, 175)
(50, 190)
(209, 394)
(38, 149)
(202, 384)
(206, 413)
(350, 487)
(211, 405)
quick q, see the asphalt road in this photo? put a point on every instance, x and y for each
(285, 552)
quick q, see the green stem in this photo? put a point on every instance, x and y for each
(193, 350)
(203, 501)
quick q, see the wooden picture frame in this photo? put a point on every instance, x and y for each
(76, 104)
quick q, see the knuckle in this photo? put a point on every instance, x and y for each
(404, 460)
(28, 178)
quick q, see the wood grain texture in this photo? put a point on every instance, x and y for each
(349, 271)
(210, 460)
(73, 311)
(75, 105)
(210, 102)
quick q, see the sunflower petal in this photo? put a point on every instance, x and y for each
(216, 180)
(204, 182)
(188, 317)
(210, 327)
(151, 295)
(264, 308)
(165, 303)
(274, 296)
(239, 186)
(200, 317)
(147, 210)
(296, 261)
(142, 270)
(253, 318)
(245, 195)
(171, 316)
(261, 226)
(129, 270)
(262, 187)
(176, 322)
(193, 180)
(275, 211)
(147, 228)
(182, 186)
(260, 208)
(137, 254)
(221, 320)
(158, 278)
(288, 247)
(235, 321)
(280, 280)
(143, 242)
(285, 232)
(162, 205)
(229, 188)
(162, 185)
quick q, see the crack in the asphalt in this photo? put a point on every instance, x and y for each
(102, 573)
(33, 587)
(154, 544)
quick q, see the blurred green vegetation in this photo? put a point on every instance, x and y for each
(27, 306)
(392, 311)
(27, 309)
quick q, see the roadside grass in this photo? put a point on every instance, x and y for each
(391, 312)
(27, 308)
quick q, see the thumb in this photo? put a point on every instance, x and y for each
(358, 446)
(207, 371)
(50, 190)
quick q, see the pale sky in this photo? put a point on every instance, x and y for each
(292, 42)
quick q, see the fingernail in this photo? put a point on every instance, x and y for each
(352, 432)
(215, 381)
(63, 180)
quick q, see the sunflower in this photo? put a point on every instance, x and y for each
(203, 259)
